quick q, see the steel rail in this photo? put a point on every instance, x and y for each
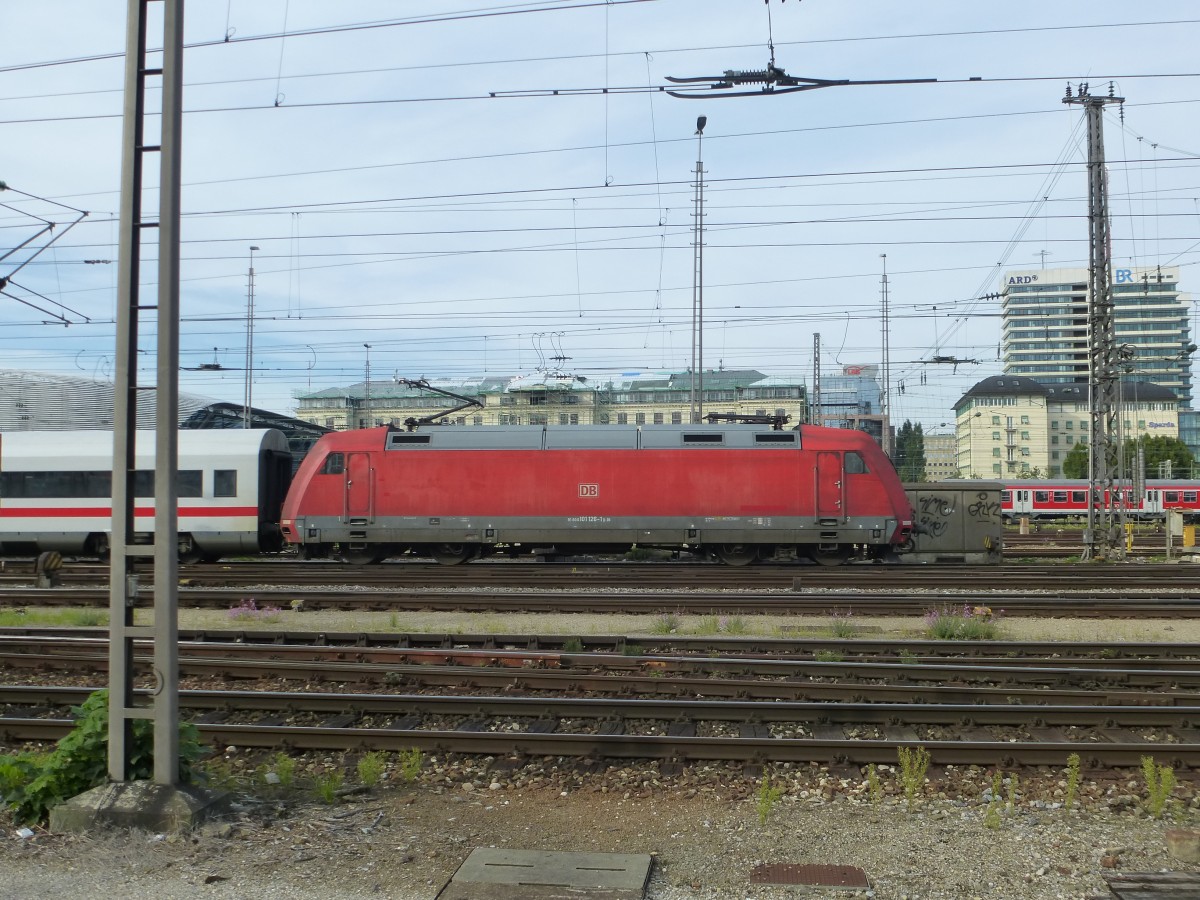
(672, 748)
(879, 649)
(1175, 601)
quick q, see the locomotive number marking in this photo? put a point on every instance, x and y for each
(589, 490)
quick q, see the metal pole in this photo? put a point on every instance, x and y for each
(814, 412)
(886, 403)
(122, 573)
(696, 382)
(249, 393)
(1104, 538)
(367, 397)
(166, 457)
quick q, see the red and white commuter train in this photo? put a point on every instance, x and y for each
(1062, 498)
(56, 491)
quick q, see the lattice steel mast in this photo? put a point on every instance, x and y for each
(1106, 514)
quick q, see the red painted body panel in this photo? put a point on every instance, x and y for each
(704, 484)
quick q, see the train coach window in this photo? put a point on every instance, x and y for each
(1041, 496)
(1078, 497)
(225, 483)
(335, 464)
(1006, 496)
(1171, 496)
(855, 464)
(188, 483)
(1189, 496)
(1060, 496)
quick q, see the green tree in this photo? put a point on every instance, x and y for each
(909, 455)
(1075, 464)
(1161, 453)
(1157, 451)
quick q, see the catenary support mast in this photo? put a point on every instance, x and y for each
(1106, 514)
(126, 551)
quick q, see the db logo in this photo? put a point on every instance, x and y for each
(589, 490)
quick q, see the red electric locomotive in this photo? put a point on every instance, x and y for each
(739, 493)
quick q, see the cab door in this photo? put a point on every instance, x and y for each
(360, 488)
(831, 485)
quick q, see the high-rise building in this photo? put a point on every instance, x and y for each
(1045, 327)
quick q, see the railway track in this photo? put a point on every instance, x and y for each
(665, 576)
(1173, 601)
(675, 708)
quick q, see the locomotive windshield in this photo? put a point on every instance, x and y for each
(855, 464)
(335, 464)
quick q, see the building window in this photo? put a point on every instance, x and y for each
(1024, 435)
(995, 420)
(622, 418)
(1070, 440)
(1054, 454)
(1024, 420)
(1054, 426)
(995, 451)
(537, 399)
(995, 435)
(562, 419)
(658, 418)
(508, 400)
(676, 418)
(1054, 439)
(639, 418)
(996, 468)
(478, 420)
(574, 419)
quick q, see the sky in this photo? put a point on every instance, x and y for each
(464, 188)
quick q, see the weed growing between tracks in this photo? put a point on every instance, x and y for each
(970, 623)
(914, 763)
(1160, 782)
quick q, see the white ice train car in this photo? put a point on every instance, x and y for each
(56, 492)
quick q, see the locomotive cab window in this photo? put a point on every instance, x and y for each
(335, 464)
(855, 464)
(225, 483)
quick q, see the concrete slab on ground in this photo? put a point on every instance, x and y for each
(495, 874)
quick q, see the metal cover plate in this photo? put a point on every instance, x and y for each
(1154, 885)
(496, 874)
(812, 875)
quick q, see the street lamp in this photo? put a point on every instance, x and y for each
(249, 343)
